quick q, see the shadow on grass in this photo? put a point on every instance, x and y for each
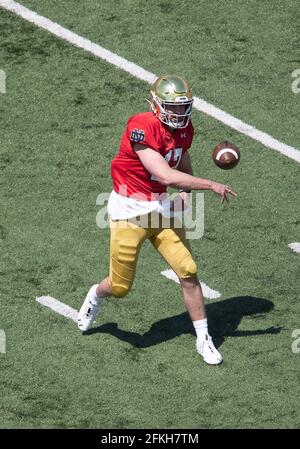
(223, 318)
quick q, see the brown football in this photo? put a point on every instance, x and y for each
(226, 155)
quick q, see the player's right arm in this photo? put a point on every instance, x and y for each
(155, 164)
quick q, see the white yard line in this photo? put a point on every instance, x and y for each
(58, 307)
(207, 292)
(149, 77)
(295, 247)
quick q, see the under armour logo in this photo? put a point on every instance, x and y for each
(137, 135)
(183, 135)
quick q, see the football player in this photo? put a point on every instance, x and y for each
(153, 155)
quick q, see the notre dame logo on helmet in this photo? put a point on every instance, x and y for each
(137, 135)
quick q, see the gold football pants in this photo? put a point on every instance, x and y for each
(126, 239)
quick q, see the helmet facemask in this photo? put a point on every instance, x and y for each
(167, 111)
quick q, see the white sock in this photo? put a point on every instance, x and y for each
(95, 299)
(201, 328)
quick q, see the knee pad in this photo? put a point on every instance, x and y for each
(119, 291)
(189, 269)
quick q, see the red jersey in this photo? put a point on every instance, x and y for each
(127, 169)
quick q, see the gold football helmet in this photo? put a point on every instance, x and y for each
(172, 100)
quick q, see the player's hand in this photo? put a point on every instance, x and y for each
(180, 202)
(223, 190)
(185, 198)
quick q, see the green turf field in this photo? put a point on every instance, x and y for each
(61, 121)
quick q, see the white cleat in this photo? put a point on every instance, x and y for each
(208, 351)
(88, 311)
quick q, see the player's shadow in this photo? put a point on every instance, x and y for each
(224, 318)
